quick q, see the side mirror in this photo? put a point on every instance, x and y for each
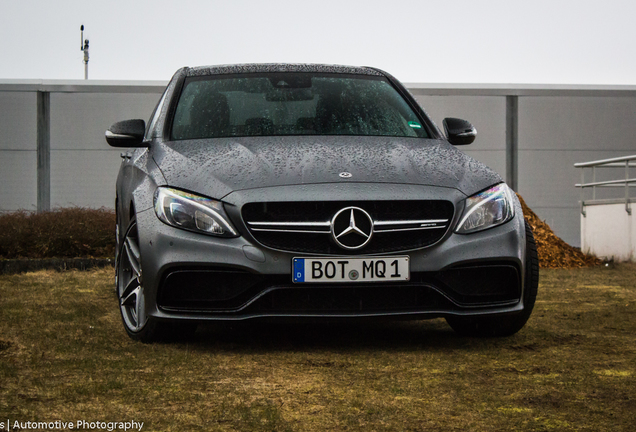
(458, 131)
(127, 133)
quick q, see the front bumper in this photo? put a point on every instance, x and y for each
(198, 277)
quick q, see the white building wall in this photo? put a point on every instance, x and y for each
(607, 231)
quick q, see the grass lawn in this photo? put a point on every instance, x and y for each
(65, 356)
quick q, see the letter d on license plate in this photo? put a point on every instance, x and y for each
(350, 269)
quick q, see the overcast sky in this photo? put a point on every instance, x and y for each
(447, 41)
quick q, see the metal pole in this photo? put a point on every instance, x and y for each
(512, 142)
(583, 192)
(85, 59)
(84, 49)
(44, 151)
(628, 208)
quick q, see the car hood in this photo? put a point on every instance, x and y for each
(217, 167)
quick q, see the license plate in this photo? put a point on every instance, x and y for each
(346, 269)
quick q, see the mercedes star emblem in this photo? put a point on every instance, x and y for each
(351, 228)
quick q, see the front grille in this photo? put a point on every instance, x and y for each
(306, 226)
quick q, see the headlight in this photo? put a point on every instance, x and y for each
(192, 212)
(487, 209)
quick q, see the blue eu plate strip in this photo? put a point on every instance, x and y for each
(299, 270)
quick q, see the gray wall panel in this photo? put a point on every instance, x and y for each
(547, 178)
(79, 120)
(583, 123)
(18, 180)
(84, 178)
(18, 121)
(486, 113)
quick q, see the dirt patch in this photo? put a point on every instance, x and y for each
(5, 345)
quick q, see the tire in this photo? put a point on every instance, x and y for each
(131, 296)
(506, 325)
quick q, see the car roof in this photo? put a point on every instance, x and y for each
(280, 67)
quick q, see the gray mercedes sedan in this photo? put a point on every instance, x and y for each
(311, 192)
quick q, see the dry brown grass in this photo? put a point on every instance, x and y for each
(64, 355)
(61, 233)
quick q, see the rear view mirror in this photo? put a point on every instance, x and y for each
(458, 131)
(127, 133)
(289, 95)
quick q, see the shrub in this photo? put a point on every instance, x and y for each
(60, 233)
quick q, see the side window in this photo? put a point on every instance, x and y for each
(150, 131)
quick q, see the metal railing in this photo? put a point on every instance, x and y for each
(625, 163)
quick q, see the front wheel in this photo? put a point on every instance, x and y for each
(130, 292)
(506, 325)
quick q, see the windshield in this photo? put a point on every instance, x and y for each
(292, 104)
